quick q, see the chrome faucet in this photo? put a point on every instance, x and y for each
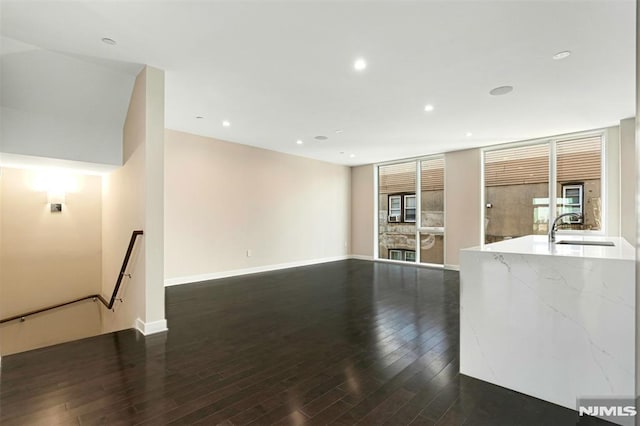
(554, 227)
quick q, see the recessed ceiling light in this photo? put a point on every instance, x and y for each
(469, 134)
(321, 138)
(562, 55)
(108, 41)
(352, 155)
(225, 123)
(428, 107)
(502, 90)
(299, 142)
(360, 64)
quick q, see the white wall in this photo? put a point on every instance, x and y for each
(222, 199)
(362, 207)
(462, 194)
(133, 199)
(612, 179)
(61, 106)
(627, 180)
(637, 199)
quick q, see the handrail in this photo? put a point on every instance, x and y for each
(108, 305)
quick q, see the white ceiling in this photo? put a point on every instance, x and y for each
(282, 71)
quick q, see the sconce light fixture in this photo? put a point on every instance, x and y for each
(56, 184)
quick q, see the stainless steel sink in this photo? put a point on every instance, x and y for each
(587, 243)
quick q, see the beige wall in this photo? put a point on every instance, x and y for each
(627, 180)
(362, 226)
(48, 258)
(223, 199)
(133, 199)
(462, 203)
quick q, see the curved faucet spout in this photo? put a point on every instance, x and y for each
(554, 226)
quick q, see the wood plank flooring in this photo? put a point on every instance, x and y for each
(350, 342)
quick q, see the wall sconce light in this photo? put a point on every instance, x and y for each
(56, 200)
(56, 184)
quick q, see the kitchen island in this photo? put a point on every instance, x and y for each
(551, 320)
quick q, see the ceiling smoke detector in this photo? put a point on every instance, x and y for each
(502, 90)
(561, 55)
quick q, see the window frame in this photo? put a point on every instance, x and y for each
(553, 183)
(377, 218)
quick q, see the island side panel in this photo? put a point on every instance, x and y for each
(556, 328)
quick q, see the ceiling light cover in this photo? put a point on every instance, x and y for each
(225, 123)
(561, 55)
(502, 90)
(299, 142)
(428, 108)
(469, 134)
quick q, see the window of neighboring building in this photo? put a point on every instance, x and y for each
(395, 208)
(401, 254)
(402, 208)
(572, 196)
(409, 208)
(396, 255)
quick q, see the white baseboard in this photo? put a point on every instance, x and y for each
(148, 328)
(360, 257)
(452, 267)
(245, 271)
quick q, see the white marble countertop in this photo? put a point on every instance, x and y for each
(539, 245)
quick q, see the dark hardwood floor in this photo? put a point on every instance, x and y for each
(340, 343)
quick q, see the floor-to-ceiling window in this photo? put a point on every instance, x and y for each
(522, 182)
(411, 209)
(431, 227)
